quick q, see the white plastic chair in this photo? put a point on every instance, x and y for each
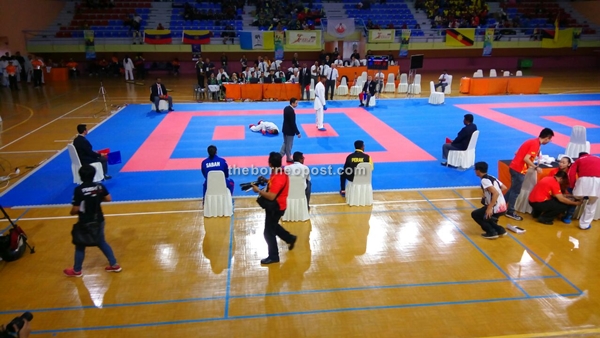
(311, 91)
(448, 89)
(297, 207)
(360, 191)
(162, 105)
(530, 180)
(464, 158)
(493, 73)
(355, 90)
(578, 142)
(435, 97)
(217, 201)
(478, 73)
(76, 164)
(390, 86)
(506, 73)
(364, 76)
(372, 101)
(363, 62)
(416, 86)
(342, 89)
(519, 73)
(403, 85)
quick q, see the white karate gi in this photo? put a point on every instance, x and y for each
(319, 103)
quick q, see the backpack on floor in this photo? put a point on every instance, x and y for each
(13, 244)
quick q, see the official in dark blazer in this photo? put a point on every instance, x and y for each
(158, 92)
(304, 81)
(461, 142)
(85, 152)
(289, 130)
(270, 78)
(369, 88)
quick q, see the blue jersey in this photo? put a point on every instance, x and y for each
(215, 163)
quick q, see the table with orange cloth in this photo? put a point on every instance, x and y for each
(350, 71)
(504, 173)
(56, 74)
(260, 91)
(501, 85)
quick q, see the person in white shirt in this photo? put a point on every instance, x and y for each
(380, 79)
(264, 127)
(263, 66)
(314, 72)
(354, 62)
(339, 62)
(332, 76)
(128, 65)
(443, 81)
(320, 102)
(294, 77)
(222, 75)
(493, 202)
(299, 169)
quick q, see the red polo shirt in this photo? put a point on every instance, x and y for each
(585, 166)
(279, 180)
(529, 147)
(544, 190)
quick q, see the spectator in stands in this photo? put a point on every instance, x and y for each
(314, 71)
(224, 62)
(295, 62)
(136, 25)
(354, 62)
(244, 62)
(222, 76)
(160, 27)
(355, 55)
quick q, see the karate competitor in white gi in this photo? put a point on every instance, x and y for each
(265, 127)
(320, 103)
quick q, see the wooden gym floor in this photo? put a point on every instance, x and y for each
(412, 265)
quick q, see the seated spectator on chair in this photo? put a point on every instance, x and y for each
(214, 162)
(443, 81)
(222, 76)
(265, 127)
(85, 152)
(461, 142)
(271, 77)
(299, 169)
(339, 62)
(158, 92)
(369, 89)
(493, 202)
(352, 161)
(354, 62)
(547, 200)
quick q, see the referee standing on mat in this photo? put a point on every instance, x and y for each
(289, 130)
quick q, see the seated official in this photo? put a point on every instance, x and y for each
(158, 92)
(352, 161)
(222, 76)
(369, 89)
(299, 169)
(443, 81)
(270, 78)
(85, 153)
(547, 200)
(461, 142)
(214, 162)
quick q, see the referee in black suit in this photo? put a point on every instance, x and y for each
(85, 152)
(289, 130)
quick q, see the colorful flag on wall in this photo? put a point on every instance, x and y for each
(340, 28)
(564, 40)
(196, 37)
(157, 37)
(278, 38)
(404, 41)
(257, 40)
(90, 45)
(460, 37)
(576, 36)
(488, 41)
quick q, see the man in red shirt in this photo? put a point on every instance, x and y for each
(522, 162)
(547, 200)
(585, 175)
(277, 189)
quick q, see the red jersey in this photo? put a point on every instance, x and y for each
(277, 182)
(529, 147)
(545, 189)
(585, 166)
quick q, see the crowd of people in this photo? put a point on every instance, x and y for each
(280, 15)
(454, 13)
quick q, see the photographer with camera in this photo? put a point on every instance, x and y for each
(18, 327)
(273, 199)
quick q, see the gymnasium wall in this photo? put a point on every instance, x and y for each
(591, 10)
(20, 15)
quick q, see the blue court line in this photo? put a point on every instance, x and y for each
(282, 314)
(229, 259)
(476, 246)
(558, 274)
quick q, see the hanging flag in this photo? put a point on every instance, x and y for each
(556, 27)
(340, 28)
(90, 45)
(488, 41)
(257, 40)
(405, 40)
(460, 37)
(196, 37)
(576, 36)
(565, 38)
(278, 38)
(157, 37)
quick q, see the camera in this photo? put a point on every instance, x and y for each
(260, 181)
(18, 322)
